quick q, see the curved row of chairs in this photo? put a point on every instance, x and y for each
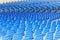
(30, 21)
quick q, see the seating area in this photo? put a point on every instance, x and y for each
(30, 21)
